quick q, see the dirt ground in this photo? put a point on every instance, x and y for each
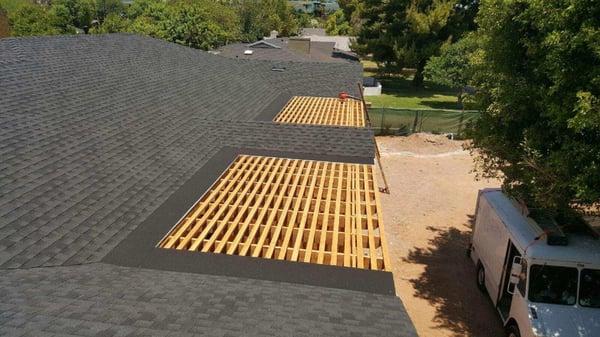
(427, 217)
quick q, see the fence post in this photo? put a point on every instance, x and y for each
(416, 121)
(382, 121)
(460, 122)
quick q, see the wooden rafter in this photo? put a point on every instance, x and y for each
(323, 111)
(289, 209)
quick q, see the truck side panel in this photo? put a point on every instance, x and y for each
(490, 239)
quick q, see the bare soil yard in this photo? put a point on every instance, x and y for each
(428, 217)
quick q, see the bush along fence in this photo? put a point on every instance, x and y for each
(394, 121)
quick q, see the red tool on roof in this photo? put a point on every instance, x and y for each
(344, 96)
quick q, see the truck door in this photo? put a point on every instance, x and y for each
(504, 293)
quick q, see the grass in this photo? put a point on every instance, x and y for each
(398, 92)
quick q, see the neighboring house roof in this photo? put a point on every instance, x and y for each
(313, 31)
(341, 42)
(309, 6)
(99, 132)
(281, 49)
(263, 44)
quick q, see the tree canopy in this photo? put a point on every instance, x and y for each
(203, 24)
(259, 17)
(406, 33)
(352, 10)
(451, 68)
(538, 76)
(337, 24)
(29, 19)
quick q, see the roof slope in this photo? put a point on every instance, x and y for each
(320, 51)
(96, 132)
(106, 300)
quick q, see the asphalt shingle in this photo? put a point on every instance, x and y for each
(96, 132)
(106, 300)
(279, 49)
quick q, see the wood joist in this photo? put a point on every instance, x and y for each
(323, 111)
(288, 209)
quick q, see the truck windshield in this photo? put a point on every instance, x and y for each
(589, 292)
(553, 284)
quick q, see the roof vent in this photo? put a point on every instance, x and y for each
(278, 68)
(248, 52)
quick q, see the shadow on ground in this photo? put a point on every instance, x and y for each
(448, 283)
(442, 105)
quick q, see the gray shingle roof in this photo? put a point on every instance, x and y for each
(96, 132)
(319, 52)
(106, 300)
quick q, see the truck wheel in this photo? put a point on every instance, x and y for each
(513, 331)
(481, 277)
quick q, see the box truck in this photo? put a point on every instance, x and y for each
(541, 281)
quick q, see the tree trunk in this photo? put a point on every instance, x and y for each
(418, 79)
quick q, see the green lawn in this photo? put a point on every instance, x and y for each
(413, 100)
(398, 92)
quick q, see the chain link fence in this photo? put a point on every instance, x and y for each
(394, 121)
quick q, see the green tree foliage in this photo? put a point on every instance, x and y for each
(452, 67)
(406, 33)
(352, 12)
(71, 14)
(259, 17)
(106, 7)
(147, 17)
(113, 23)
(4, 27)
(31, 19)
(305, 20)
(201, 24)
(337, 24)
(538, 74)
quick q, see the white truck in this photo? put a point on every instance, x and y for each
(540, 286)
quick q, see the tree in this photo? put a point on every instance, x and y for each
(306, 20)
(406, 33)
(147, 17)
(71, 14)
(259, 17)
(253, 26)
(452, 67)
(538, 75)
(105, 7)
(203, 24)
(336, 24)
(4, 27)
(113, 23)
(31, 19)
(352, 10)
